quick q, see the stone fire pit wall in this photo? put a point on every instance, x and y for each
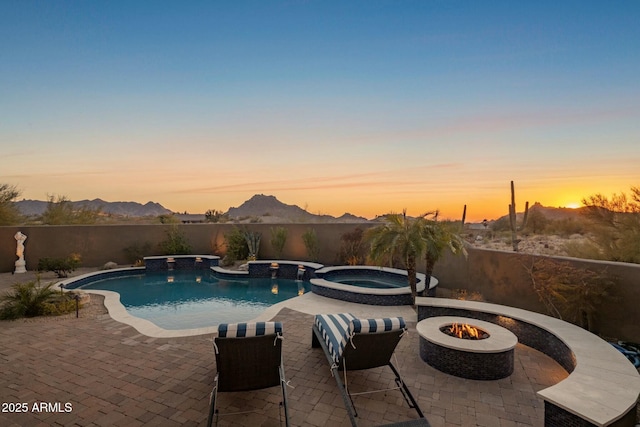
(487, 359)
(474, 366)
(528, 334)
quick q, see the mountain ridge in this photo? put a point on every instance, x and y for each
(30, 207)
(265, 207)
(269, 207)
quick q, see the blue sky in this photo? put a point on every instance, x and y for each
(363, 107)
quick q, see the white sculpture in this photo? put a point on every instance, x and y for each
(20, 263)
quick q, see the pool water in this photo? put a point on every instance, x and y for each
(368, 282)
(187, 299)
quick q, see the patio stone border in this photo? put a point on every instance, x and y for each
(602, 388)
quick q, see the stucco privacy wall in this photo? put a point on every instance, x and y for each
(100, 244)
(498, 276)
(501, 279)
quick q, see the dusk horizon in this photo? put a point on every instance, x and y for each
(224, 209)
(365, 108)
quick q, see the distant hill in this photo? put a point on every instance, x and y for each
(270, 209)
(126, 209)
(551, 213)
(555, 214)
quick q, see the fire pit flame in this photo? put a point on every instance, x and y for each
(464, 331)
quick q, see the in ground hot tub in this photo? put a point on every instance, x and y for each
(367, 284)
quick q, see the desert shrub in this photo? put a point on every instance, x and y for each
(31, 300)
(352, 247)
(168, 219)
(237, 248)
(175, 244)
(61, 266)
(536, 222)
(136, 252)
(567, 227)
(585, 250)
(464, 294)
(615, 225)
(216, 216)
(62, 211)
(568, 292)
(9, 213)
(278, 239)
(310, 239)
(501, 224)
(60, 304)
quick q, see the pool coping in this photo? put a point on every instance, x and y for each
(118, 312)
(310, 303)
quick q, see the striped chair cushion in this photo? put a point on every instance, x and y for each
(242, 330)
(378, 325)
(337, 329)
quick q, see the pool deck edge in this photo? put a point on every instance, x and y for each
(308, 303)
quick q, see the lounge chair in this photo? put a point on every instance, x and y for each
(248, 357)
(353, 344)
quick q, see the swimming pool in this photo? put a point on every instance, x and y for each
(188, 299)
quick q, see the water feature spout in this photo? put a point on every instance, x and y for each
(274, 269)
(300, 273)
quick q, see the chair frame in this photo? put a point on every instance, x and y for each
(357, 355)
(248, 363)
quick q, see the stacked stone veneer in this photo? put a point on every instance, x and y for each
(528, 334)
(361, 298)
(556, 416)
(181, 262)
(466, 364)
(286, 269)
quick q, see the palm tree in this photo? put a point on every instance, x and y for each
(399, 236)
(438, 237)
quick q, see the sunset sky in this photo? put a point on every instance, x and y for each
(337, 106)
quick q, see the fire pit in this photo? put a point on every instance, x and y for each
(464, 331)
(467, 348)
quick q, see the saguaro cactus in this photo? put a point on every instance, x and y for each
(464, 215)
(512, 219)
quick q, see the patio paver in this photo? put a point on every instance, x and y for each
(113, 375)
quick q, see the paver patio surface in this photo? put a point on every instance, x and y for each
(113, 376)
(110, 374)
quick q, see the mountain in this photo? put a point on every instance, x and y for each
(270, 209)
(551, 213)
(555, 214)
(128, 209)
